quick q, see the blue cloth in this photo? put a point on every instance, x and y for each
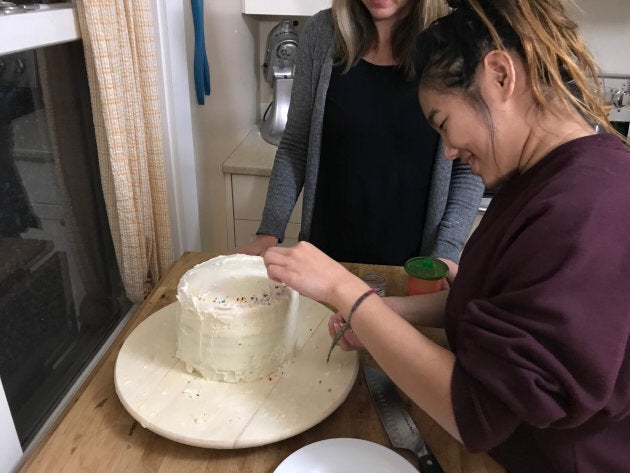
(201, 69)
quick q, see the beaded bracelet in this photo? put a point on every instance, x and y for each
(346, 326)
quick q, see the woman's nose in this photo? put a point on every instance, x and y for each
(450, 152)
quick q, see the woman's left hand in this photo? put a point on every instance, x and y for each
(349, 340)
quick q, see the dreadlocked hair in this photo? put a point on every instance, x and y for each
(558, 63)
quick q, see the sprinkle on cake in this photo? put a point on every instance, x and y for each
(266, 298)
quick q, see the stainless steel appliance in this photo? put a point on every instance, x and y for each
(278, 70)
(617, 91)
(61, 294)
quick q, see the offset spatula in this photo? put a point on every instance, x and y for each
(399, 425)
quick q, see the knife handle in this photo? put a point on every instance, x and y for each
(428, 464)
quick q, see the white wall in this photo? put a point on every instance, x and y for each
(605, 26)
(228, 113)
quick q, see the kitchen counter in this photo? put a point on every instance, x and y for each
(96, 433)
(246, 173)
(253, 156)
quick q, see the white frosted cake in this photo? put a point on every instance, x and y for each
(233, 322)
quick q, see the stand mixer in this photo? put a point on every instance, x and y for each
(278, 70)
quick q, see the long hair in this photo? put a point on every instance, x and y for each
(355, 32)
(558, 63)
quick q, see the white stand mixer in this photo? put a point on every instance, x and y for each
(278, 70)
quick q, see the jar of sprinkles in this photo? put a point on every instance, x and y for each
(376, 282)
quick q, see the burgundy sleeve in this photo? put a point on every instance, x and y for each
(547, 349)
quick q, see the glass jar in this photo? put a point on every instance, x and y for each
(376, 282)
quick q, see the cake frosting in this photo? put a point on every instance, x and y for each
(233, 322)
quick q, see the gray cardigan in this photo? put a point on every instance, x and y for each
(454, 194)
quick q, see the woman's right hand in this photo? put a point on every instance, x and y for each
(258, 247)
(313, 274)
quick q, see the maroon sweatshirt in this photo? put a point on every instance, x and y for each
(539, 316)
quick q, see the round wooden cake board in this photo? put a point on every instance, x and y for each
(163, 397)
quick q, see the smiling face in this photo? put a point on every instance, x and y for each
(465, 132)
(485, 126)
(386, 9)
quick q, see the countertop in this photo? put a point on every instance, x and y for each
(96, 434)
(253, 156)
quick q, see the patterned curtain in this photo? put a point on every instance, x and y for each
(120, 52)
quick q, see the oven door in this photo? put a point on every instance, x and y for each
(620, 120)
(51, 24)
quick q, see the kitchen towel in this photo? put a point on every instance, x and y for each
(200, 65)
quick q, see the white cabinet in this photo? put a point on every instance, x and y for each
(245, 232)
(284, 7)
(247, 172)
(246, 199)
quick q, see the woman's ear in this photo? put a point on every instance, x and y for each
(499, 74)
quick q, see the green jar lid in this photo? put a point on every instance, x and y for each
(423, 267)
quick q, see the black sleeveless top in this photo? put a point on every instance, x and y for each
(375, 167)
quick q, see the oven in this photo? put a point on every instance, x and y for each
(620, 120)
(617, 91)
(485, 200)
(61, 295)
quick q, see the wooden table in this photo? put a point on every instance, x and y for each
(96, 434)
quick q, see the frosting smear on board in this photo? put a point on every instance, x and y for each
(233, 322)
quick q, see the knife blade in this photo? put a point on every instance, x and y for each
(399, 425)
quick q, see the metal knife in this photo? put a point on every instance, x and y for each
(399, 425)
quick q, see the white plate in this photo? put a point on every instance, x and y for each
(344, 455)
(162, 396)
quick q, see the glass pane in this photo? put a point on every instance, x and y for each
(60, 288)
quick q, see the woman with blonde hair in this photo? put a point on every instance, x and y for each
(538, 317)
(356, 143)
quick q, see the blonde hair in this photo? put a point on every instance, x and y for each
(355, 32)
(558, 63)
